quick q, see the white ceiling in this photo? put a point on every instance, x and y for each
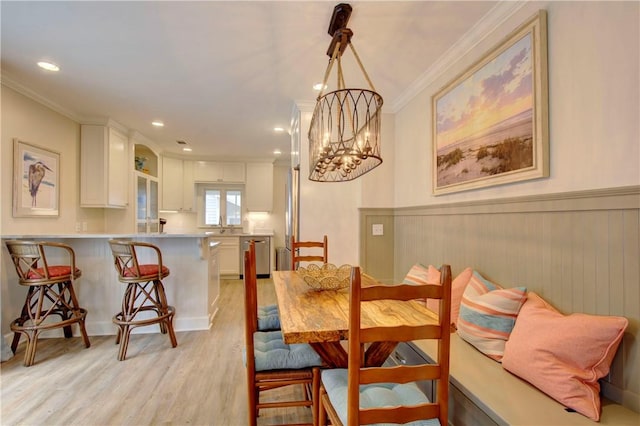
(220, 74)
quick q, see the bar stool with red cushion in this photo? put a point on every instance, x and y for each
(50, 293)
(144, 293)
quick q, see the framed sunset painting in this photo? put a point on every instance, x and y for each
(490, 124)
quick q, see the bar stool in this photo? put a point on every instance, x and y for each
(144, 292)
(50, 293)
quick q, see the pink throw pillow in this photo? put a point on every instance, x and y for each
(563, 355)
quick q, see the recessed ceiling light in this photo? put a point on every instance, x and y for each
(278, 129)
(277, 152)
(48, 66)
(157, 123)
(318, 86)
(187, 149)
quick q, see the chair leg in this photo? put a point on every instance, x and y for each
(30, 353)
(77, 312)
(322, 413)
(172, 333)
(315, 395)
(161, 299)
(166, 325)
(252, 395)
(15, 342)
(124, 342)
(62, 304)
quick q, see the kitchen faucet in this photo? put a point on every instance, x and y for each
(222, 229)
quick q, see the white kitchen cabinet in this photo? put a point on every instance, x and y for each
(178, 190)
(259, 187)
(104, 167)
(147, 195)
(228, 255)
(213, 171)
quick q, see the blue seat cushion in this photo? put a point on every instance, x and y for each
(373, 395)
(271, 353)
(268, 318)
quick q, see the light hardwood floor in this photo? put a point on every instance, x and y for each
(200, 382)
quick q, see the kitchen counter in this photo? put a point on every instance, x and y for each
(192, 287)
(133, 236)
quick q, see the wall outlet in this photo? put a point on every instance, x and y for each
(377, 229)
(84, 226)
(78, 226)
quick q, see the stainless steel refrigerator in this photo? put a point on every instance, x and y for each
(291, 213)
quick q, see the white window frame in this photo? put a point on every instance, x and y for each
(223, 188)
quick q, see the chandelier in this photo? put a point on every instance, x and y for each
(344, 135)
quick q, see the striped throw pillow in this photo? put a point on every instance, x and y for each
(421, 275)
(488, 313)
(417, 275)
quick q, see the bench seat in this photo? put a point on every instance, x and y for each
(482, 392)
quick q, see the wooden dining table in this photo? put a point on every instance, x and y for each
(321, 318)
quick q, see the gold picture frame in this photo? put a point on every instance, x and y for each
(36, 181)
(490, 124)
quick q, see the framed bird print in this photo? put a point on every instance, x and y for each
(36, 181)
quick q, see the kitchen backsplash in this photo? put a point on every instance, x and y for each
(188, 222)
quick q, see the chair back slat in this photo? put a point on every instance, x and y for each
(358, 374)
(399, 374)
(401, 333)
(400, 414)
(302, 251)
(401, 292)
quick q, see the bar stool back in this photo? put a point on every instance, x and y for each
(144, 293)
(50, 293)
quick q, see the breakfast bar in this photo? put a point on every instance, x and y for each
(193, 285)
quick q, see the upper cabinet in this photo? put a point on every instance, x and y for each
(178, 189)
(104, 171)
(259, 187)
(211, 171)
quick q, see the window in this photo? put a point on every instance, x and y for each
(221, 206)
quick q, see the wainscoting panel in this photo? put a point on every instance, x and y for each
(580, 251)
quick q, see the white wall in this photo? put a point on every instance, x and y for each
(331, 208)
(593, 56)
(37, 124)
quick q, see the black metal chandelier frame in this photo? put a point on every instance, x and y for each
(344, 135)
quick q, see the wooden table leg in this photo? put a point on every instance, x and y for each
(332, 353)
(378, 353)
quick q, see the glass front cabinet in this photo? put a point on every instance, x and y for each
(147, 219)
(147, 190)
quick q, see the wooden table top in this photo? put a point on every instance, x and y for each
(310, 316)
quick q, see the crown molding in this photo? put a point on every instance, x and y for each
(23, 90)
(491, 20)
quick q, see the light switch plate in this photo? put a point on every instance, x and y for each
(377, 229)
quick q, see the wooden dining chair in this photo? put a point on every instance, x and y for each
(361, 396)
(272, 364)
(268, 315)
(300, 252)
